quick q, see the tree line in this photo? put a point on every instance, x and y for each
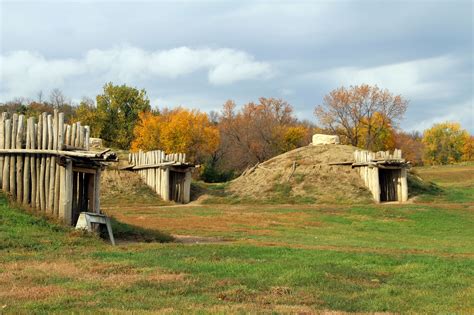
(227, 141)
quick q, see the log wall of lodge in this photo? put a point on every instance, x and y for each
(169, 175)
(45, 165)
(384, 174)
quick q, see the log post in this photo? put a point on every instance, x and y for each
(65, 199)
(19, 163)
(166, 184)
(27, 169)
(404, 185)
(47, 171)
(13, 156)
(44, 146)
(32, 136)
(6, 164)
(2, 145)
(187, 187)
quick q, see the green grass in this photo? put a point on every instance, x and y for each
(413, 258)
(450, 183)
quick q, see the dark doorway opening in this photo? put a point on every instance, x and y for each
(388, 180)
(177, 186)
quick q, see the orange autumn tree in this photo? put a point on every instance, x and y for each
(411, 145)
(345, 111)
(177, 130)
(258, 131)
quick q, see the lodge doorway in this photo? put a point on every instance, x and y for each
(388, 180)
(177, 180)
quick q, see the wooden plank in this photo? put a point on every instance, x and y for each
(75, 194)
(87, 137)
(97, 192)
(84, 170)
(187, 187)
(60, 131)
(81, 194)
(341, 163)
(82, 134)
(166, 184)
(157, 165)
(73, 134)
(91, 192)
(67, 140)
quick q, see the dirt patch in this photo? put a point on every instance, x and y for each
(191, 239)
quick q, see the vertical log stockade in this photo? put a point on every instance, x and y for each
(41, 157)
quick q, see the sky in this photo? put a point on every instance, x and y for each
(198, 54)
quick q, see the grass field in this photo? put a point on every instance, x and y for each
(415, 257)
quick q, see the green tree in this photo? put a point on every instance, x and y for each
(88, 114)
(119, 108)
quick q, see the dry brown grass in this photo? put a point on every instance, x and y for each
(454, 174)
(230, 218)
(23, 280)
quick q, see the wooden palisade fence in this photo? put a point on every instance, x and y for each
(384, 174)
(169, 175)
(45, 165)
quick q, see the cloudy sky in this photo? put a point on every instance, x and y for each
(201, 53)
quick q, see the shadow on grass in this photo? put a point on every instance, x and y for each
(424, 189)
(128, 232)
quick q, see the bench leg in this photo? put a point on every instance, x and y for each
(109, 229)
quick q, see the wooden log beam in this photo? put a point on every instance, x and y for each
(84, 154)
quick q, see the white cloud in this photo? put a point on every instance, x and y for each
(420, 79)
(462, 112)
(25, 72)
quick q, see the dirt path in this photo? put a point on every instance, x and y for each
(193, 239)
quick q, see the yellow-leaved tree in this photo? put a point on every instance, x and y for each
(444, 143)
(380, 125)
(177, 131)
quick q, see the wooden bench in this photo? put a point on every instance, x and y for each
(86, 219)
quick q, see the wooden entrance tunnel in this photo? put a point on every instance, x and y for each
(169, 175)
(384, 174)
(46, 165)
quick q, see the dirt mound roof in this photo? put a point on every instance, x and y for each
(304, 175)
